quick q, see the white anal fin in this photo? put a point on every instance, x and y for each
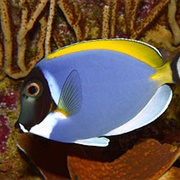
(156, 106)
(95, 141)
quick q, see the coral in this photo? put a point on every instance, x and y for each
(73, 16)
(173, 23)
(8, 100)
(4, 133)
(8, 105)
(49, 156)
(12, 165)
(155, 159)
(147, 160)
(33, 29)
(135, 28)
(173, 173)
(29, 30)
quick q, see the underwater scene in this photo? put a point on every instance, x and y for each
(82, 119)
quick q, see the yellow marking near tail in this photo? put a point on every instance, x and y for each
(163, 74)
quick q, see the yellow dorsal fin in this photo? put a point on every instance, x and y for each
(137, 49)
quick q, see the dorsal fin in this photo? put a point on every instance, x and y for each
(137, 49)
(71, 95)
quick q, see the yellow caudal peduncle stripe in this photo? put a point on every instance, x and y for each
(163, 74)
(137, 49)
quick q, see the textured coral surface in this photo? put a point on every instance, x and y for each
(141, 162)
(12, 165)
(29, 30)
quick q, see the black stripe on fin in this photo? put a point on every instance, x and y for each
(175, 67)
(71, 95)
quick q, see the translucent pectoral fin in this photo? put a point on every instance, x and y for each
(96, 141)
(71, 95)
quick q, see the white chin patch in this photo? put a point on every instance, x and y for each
(23, 128)
(41, 130)
(45, 128)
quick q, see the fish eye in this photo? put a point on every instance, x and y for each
(33, 89)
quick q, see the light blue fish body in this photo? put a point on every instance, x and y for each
(97, 92)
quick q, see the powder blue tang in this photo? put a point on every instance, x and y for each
(82, 96)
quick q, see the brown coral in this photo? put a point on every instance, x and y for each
(49, 156)
(173, 173)
(147, 160)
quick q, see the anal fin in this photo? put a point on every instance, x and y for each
(156, 106)
(95, 141)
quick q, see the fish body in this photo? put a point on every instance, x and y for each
(92, 89)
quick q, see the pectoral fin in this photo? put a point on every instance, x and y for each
(71, 95)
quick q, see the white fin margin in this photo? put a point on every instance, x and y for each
(95, 141)
(156, 106)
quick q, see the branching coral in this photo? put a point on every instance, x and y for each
(109, 19)
(5, 23)
(28, 21)
(32, 29)
(73, 16)
(26, 26)
(49, 26)
(173, 23)
(2, 74)
(132, 8)
(105, 24)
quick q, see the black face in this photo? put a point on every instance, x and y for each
(36, 100)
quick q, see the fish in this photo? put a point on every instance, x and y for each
(85, 92)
